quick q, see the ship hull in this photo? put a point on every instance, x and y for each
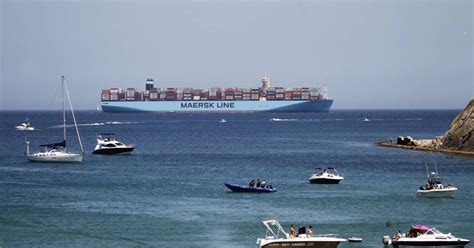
(324, 181)
(114, 151)
(56, 158)
(217, 106)
(300, 243)
(432, 244)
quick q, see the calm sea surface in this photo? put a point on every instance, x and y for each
(171, 193)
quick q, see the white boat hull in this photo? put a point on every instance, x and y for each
(432, 245)
(301, 242)
(59, 157)
(21, 128)
(446, 192)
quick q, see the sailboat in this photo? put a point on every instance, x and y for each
(57, 152)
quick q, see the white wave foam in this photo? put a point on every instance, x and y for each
(278, 119)
(100, 124)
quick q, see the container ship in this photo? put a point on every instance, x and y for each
(262, 99)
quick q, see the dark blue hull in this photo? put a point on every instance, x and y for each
(246, 189)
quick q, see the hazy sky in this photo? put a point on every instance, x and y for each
(370, 54)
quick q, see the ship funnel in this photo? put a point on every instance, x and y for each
(265, 82)
(150, 84)
(325, 93)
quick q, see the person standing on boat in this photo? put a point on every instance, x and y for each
(252, 183)
(309, 232)
(292, 231)
(398, 235)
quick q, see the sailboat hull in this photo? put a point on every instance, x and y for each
(60, 157)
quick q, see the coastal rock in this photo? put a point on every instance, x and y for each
(460, 136)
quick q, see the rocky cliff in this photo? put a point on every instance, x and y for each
(460, 136)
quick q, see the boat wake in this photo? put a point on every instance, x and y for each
(302, 120)
(278, 119)
(101, 124)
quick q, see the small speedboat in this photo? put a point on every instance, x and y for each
(354, 239)
(423, 236)
(277, 237)
(108, 145)
(222, 121)
(25, 126)
(250, 189)
(326, 176)
(365, 119)
(435, 188)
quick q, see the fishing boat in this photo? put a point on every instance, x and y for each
(424, 236)
(434, 186)
(326, 176)
(25, 126)
(57, 152)
(108, 145)
(355, 239)
(250, 188)
(276, 236)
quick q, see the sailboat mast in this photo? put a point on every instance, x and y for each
(74, 118)
(64, 108)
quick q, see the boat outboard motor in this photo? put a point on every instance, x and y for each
(387, 240)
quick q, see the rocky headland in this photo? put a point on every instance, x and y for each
(459, 139)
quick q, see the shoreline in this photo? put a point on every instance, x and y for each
(425, 149)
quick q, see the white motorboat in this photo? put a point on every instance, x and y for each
(222, 121)
(25, 126)
(57, 152)
(275, 230)
(355, 239)
(365, 119)
(435, 188)
(423, 236)
(108, 145)
(326, 176)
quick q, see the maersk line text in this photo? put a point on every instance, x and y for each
(207, 105)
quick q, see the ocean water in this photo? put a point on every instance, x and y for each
(171, 193)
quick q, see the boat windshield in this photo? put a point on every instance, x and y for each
(433, 231)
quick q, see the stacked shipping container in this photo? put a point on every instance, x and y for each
(192, 94)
